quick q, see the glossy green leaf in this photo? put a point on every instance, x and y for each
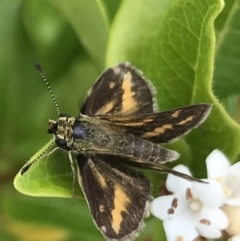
(50, 176)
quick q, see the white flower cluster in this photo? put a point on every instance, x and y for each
(196, 209)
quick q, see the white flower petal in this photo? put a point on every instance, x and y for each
(194, 208)
(160, 206)
(176, 184)
(182, 228)
(235, 238)
(235, 169)
(209, 233)
(167, 207)
(210, 194)
(233, 201)
(233, 179)
(216, 217)
(211, 222)
(217, 164)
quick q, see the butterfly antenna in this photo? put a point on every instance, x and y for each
(39, 69)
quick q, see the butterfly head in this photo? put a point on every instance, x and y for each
(66, 130)
(62, 130)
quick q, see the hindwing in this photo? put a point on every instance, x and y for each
(118, 196)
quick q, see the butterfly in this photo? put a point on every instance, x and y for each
(119, 128)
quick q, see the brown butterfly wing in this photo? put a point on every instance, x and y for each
(161, 127)
(121, 90)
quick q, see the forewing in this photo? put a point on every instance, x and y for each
(163, 126)
(118, 196)
(121, 90)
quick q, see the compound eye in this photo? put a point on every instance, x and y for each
(52, 127)
(78, 131)
(61, 142)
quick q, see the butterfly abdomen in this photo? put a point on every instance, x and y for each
(141, 149)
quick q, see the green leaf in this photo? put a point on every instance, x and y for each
(173, 43)
(47, 29)
(227, 61)
(89, 20)
(111, 8)
(50, 176)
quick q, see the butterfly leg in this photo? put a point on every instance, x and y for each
(74, 175)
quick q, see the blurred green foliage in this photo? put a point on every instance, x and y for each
(172, 42)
